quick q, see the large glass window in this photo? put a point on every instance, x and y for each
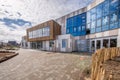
(93, 14)
(106, 7)
(105, 20)
(79, 28)
(74, 29)
(83, 28)
(77, 22)
(99, 11)
(93, 24)
(113, 20)
(40, 32)
(98, 27)
(114, 5)
(88, 26)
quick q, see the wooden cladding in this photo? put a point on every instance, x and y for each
(55, 29)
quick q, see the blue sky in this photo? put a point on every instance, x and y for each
(18, 15)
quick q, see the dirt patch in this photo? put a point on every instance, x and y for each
(112, 68)
(5, 55)
(86, 74)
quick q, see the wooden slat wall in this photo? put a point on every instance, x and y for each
(55, 29)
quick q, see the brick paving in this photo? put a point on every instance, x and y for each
(40, 65)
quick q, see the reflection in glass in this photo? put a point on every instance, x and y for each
(98, 46)
(113, 42)
(105, 43)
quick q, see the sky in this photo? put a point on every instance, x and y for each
(18, 15)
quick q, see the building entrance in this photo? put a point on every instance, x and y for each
(103, 43)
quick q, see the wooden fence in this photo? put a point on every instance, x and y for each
(98, 58)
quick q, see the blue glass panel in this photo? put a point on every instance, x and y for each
(106, 7)
(99, 11)
(93, 17)
(83, 28)
(114, 5)
(99, 22)
(71, 29)
(113, 17)
(105, 20)
(92, 30)
(106, 27)
(74, 24)
(98, 29)
(93, 24)
(88, 26)
(114, 25)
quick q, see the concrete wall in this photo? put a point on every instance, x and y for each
(93, 4)
(103, 34)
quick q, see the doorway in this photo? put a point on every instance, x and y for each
(107, 42)
(98, 44)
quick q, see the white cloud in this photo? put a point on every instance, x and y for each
(35, 11)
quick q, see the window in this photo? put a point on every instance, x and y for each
(113, 21)
(98, 45)
(106, 7)
(105, 23)
(93, 24)
(105, 43)
(99, 23)
(99, 11)
(63, 43)
(98, 27)
(51, 43)
(79, 28)
(46, 31)
(75, 23)
(40, 32)
(88, 26)
(114, 5)
(113, 17)
(83, 28)
(93, 45)
(105, 20)
(93, 27)
(93, 15)
(74, 29)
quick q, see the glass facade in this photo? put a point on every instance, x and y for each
(76, 25)
(40, 32)
(103, 17)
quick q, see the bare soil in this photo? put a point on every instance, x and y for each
(6, 55)
(112, 68)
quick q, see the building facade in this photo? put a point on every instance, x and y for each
(90, 28)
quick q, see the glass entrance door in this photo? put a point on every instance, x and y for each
(113, 42)
(106, 43)
(93, 46)
(98, 44)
